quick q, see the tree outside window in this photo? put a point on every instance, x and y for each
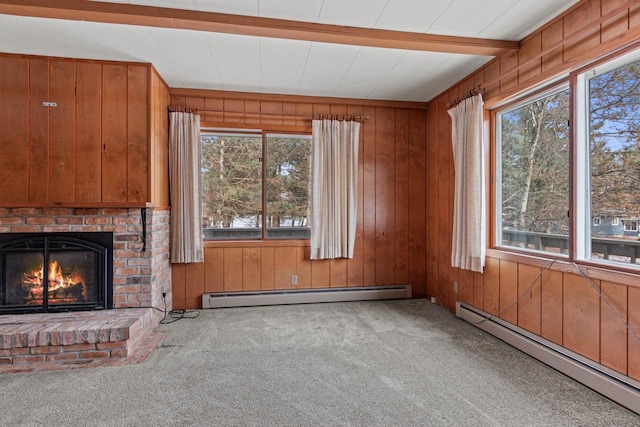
(254, 182)
(532, 167)
(287, 185)
(533, 195)
(613, 96)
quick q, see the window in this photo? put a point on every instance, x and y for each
(244, 197)
(630, 225)
(608, 152)
(231, 185)
(532, 159)
(532, 156)
(288, 179)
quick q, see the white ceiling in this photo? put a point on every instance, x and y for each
(205, 60)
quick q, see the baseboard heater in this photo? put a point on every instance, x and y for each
(304, 296)
(613, 385)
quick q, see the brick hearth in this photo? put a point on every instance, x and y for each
(96, 338)
(54, 341)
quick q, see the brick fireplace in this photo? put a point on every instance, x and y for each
(141, 275)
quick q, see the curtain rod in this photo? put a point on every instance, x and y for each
(182, 109)
(357, 118)
(341, 117)
(468, 94)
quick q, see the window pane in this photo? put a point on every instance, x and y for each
(534, 171)
(287, 179)
(614, 120)
(231, 186)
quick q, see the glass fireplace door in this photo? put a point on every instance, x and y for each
(52, 274)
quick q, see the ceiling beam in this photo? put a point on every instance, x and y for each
(117, 13)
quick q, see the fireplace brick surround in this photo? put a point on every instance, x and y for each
(140, 278)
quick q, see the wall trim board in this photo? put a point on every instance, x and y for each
(224, 126)
(159, 76)
(84, 60)
(253, 96)
(594, 271)
(77, 205)
(257, 243)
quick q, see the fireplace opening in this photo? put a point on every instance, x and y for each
(48, 272)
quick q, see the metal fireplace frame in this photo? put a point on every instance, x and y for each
(99, 243)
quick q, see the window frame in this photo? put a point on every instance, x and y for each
(533, 95)
(248, 133)
(580, 222)
(630, 225)
(582, 251)
(263, 133)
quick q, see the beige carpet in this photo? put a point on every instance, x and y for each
(393, 363)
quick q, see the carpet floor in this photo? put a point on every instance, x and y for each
(383, 363)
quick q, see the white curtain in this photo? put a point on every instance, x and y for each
(468, 246)
(184, 182)
(334, 185)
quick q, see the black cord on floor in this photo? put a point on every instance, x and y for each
(168, 316)
(175, 315)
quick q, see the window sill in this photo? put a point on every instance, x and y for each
(625, 276)
(268, 243)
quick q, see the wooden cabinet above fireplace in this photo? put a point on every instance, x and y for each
(81, 133)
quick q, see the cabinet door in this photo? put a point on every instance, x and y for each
(159, 142)
(14, 127)
(38, 129)
(62, 118)
(88, 133)
(137, 133)
(91, 148)
(114, 133)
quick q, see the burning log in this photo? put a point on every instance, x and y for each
(61, 287)
(73, 291)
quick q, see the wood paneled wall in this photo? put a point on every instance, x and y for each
(562, 306)
(159, 141)
(390, 238)
(92, 148)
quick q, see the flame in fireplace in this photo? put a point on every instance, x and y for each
(58, 283)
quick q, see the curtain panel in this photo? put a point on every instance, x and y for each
(334, 188)
(468, 244)
(185, 184)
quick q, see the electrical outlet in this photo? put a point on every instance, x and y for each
(455, 287)
(294, 280)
